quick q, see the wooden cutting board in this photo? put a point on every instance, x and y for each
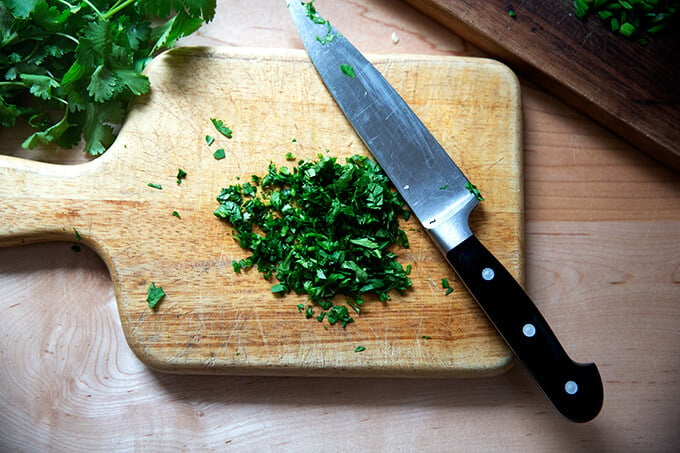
(215, 321)
(629, 88)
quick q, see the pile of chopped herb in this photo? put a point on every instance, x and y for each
(322, 229)
(69, 68)
(631, 18)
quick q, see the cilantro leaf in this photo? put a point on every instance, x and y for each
(221, 128)
(81, 62)
(279, 288)
(447, 286)
(348, 70)
(102, 84)
(49, 135)
(40, 85)
(21, 8)
(181, 174)
(96, 127)
(181, 25)
(134, 81)
(154, 295)
(474, 190)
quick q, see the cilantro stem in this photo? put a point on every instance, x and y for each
(13, 84)
(67, 37)
(88, 3)
(115, 9)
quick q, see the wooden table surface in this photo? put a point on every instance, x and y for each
(603, 265)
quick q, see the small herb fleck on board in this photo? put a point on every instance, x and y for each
(221, 128)
(154, 295)
(181, 174)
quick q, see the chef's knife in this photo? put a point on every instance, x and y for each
(419, 168)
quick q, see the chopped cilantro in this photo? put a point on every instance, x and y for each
(209, 139)
(154, 295)
(155, 186)
(474, 191)
(339, 313)
(426, 337)
(446, 286)
(444, 187)
(176, 214)
(348, 70)
(321, 229)
(279, 288)
(290, 156)
(328, 37)
(632, 18)
(359, 349)
(219, 154)
(221, 128)
(77, 234)
(181, 174)
(315, 17)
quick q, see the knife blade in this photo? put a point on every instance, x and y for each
(419, 168)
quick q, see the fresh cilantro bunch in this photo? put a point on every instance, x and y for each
(70, 67)
(321, 229)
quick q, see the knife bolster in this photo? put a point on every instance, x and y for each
(448, 231)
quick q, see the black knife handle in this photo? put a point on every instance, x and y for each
(575, 389)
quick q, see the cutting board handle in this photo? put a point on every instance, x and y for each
(39, 201)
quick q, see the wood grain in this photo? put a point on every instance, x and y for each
(627, 87)
(216, 321)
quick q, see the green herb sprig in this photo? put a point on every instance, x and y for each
(321, 229)
(69, 68)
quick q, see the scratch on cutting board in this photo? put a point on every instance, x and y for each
(195, 339)
(260, 328)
